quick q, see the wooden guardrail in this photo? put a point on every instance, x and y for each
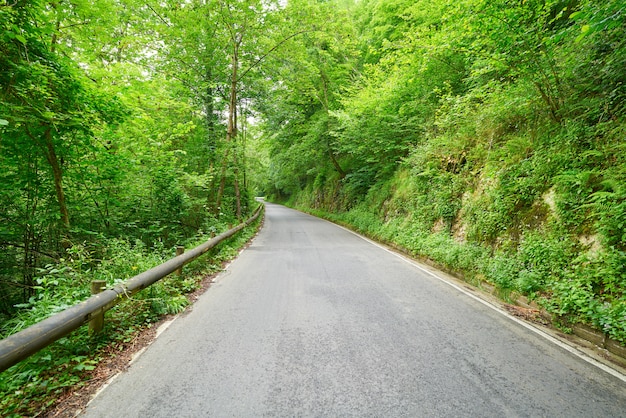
(19, 346)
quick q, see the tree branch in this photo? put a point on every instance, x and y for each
(158, 15)
(274, 48)
(12, 244)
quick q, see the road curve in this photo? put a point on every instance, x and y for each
(312, 320)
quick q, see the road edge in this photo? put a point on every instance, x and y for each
(584, 349)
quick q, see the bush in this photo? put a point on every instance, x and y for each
(31, 386)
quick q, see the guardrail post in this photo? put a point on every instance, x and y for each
(22, 344)
(97, 321)
(179, 251)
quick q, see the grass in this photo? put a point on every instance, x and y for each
(34, 385)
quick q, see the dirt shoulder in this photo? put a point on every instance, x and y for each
(117, 360)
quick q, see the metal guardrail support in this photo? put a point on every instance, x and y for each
(179, 251)
(97, 321)
(19, 346)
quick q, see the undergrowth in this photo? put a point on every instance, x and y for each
(35, 384)
(547, 224)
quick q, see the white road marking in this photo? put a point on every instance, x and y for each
(567, 347)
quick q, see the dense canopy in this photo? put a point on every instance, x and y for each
(486, 135)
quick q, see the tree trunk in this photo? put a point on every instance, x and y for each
(231, 132)
(220, 191)
(57, 173)
(342, 173)
(237, 192)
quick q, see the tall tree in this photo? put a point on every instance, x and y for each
(308, 82)
(48, 111)
(226, 45)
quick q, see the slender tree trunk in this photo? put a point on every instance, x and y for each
(244, 138)
(220, 190)
(209, 109)
(211, 123)
(231, 132)
(331, 154)
(29, 263)
(57, 173)
(548, 99)
(237, 196)
(57, 28)
(50, 152)
(236, 184)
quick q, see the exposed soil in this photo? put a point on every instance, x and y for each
(529, 314)
(117, 360)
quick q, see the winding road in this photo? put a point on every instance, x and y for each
(313, 320)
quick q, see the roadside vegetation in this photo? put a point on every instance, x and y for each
(488, 136)
(114, 149)
(34, 385)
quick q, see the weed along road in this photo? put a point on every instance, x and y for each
(312, 320)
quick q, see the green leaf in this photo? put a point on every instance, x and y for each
(4, 122)
(20, 38)
(575, 15)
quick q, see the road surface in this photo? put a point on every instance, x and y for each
(312, 320)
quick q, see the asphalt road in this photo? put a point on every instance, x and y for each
(312, 320)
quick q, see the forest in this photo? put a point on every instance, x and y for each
(485, 135)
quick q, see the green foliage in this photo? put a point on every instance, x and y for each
(487, 136)
(110, 147)
(592, 291)
(96, 144)
(598, 75)
(34, 384)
